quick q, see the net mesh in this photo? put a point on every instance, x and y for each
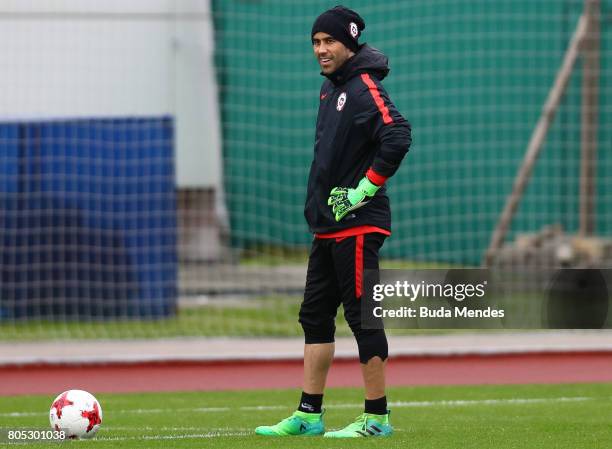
(470, 76)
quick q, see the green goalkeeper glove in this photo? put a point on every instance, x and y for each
(345, 199)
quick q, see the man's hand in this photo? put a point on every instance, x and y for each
(345, 199)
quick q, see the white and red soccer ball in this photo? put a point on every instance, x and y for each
(77, 413)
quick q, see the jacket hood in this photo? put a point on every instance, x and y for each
(366, 60)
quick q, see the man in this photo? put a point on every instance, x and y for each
(361, 139)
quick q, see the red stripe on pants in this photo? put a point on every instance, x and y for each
(358, 264)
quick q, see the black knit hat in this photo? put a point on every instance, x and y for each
(342, 24)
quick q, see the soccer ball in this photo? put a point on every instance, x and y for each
(77, 413)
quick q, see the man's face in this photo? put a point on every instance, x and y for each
(330, 53)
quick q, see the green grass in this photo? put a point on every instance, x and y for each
(275, 316)
(269, 316)
(262, 317)
(523, 417)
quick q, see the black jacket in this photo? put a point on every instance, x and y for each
(357, 128)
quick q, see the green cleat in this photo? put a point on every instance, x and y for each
(299, 423)
(366, 425)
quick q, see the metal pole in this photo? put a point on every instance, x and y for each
(537, 137)
(589, 116)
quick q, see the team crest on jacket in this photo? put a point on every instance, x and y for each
(341, 101)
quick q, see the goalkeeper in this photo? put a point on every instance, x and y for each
(360, 142)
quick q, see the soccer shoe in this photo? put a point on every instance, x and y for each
(366, 425)
(299, 423)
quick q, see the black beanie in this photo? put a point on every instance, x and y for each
(342, 24)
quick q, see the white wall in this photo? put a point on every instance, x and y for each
(198, 127)
(86, 58)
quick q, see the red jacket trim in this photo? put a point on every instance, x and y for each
(384, 110)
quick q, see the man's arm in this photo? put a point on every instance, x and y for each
(384, 125)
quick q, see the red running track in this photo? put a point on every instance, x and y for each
(168, 376)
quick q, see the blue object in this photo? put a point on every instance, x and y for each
(87, 218)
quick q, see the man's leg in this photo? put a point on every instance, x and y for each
(317, 317)
(374, 377)
(317, 360)
(353, 256)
